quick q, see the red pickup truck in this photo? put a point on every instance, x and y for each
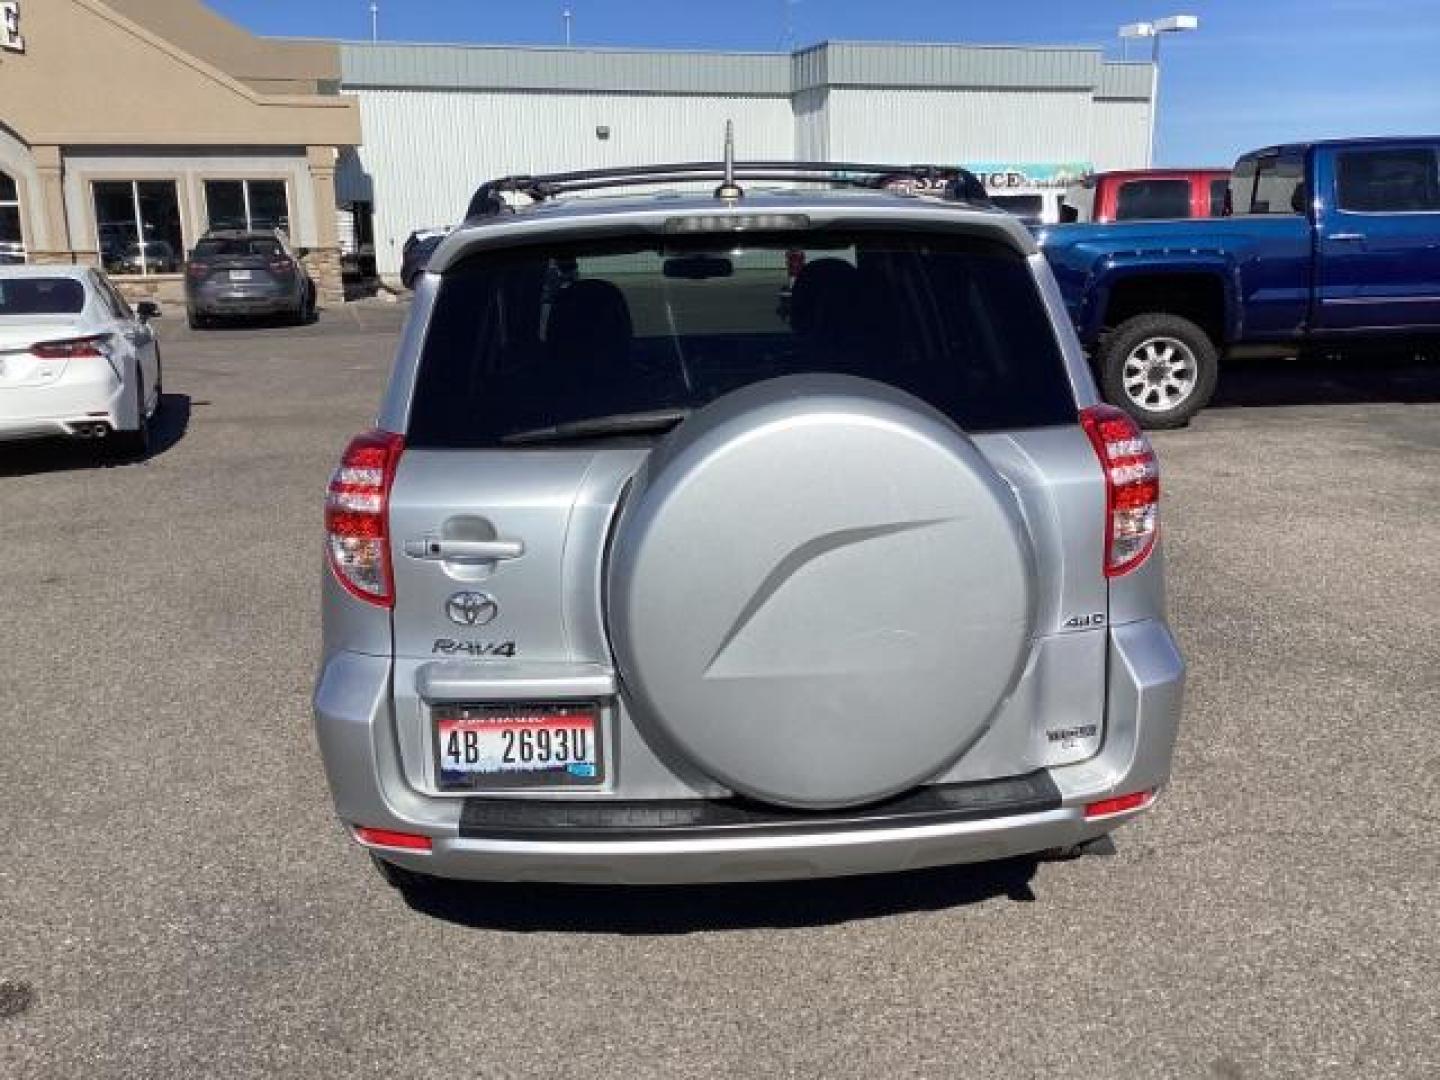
(1147, 194)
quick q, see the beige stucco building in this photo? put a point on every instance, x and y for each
(130, 127)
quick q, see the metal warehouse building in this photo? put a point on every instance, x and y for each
(438, 119)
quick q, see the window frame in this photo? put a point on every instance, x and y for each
(134, 179)
(245, 182)
(1264, 163)
(18, 204)
(1432, 149)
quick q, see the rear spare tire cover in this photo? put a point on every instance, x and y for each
(818, 591)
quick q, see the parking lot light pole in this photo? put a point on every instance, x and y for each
(1170, 24)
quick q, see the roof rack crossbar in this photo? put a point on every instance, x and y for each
(960, 184)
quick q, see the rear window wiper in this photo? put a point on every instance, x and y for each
(635, 423)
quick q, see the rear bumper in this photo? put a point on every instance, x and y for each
(505, 840)
(242, 302)
(87, 394)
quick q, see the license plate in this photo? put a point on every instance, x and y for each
(489, 746)
(239, 275)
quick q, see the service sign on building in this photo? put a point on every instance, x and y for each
(1001, 177)
(10, 39)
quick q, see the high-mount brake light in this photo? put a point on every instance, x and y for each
(717, 223)
(357, 515)
(1132, 486)
(94, 346)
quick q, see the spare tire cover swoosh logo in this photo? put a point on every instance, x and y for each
(815, 548)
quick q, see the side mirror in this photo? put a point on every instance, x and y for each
(147, 310)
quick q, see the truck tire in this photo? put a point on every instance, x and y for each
(1160, 368)
(819, 592)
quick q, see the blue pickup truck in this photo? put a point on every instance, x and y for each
(1324, 244)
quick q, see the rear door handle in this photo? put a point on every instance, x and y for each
(1352, 236)
(433, 547)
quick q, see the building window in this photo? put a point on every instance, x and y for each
(12, 240)
(138, 224)
(247, 204)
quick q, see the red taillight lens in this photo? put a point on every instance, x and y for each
(390, 839)
(197, 270)
(1132, 486)
(357, 515)
(794, 263)
(1118, 805)
(282, 266)
(96, 346)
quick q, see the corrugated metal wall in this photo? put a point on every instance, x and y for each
(1119, 134)
(812, 125)
(426, 151)
(945, 126)
(480, 67)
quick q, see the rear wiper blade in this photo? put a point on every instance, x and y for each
(635, 423)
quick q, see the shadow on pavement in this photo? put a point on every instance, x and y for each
(1352, 379)
(62, 455)
(685, 909)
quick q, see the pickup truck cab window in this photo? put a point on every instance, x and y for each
(1218, 187)
(1278, 182)
(1153, 199)
(1398, 180)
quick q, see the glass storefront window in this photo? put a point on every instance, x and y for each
(247, 204)
(12, 240)
(138, 222)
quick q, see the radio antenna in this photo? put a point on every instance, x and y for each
(728, 189)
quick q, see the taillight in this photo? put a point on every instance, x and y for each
(282, 266)
(1132, 486)
(97, 345)
(794, 263)
(197, 270)
(357, 516)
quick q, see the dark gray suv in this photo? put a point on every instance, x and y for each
(644, 576)
(232, 274)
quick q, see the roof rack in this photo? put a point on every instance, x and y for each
(947, 181)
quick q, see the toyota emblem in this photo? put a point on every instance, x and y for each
(472, 609)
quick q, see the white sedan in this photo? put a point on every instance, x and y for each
(75, 359)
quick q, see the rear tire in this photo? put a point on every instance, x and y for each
(195, 320)
(1160, 368)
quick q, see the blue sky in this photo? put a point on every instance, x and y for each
(1257, 72)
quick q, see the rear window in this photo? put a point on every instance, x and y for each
(41, 296)
(1153, 199)
(229, 247)
(1272, 184)
(531, 338)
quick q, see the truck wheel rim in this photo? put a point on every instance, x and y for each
(1159, 374)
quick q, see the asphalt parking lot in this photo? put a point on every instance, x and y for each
(176, 899)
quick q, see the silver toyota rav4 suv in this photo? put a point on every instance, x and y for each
(770, 533)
